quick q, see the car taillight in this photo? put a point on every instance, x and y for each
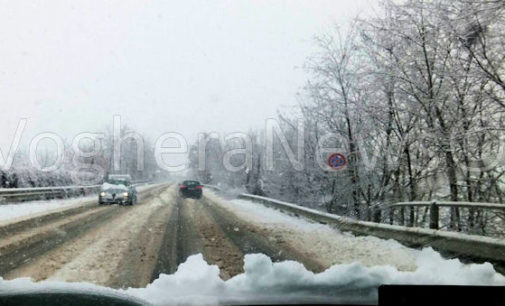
(199, 187)
(182, 186)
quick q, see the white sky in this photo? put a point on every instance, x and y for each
(184, 66)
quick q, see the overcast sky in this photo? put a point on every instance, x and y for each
(183, 66)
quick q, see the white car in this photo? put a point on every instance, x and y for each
(117, 191)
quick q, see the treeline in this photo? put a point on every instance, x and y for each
(80, 169)
(415, 98)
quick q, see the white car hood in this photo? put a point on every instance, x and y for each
(110, 187)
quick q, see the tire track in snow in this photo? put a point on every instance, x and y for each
(138, 265)
(218, 248)
(180, 241)
(42, 263)
(201, 226)
(252, 239)
(100, 263)
(192, 230)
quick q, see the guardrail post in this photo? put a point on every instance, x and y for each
(411, 216)
(376, 214)
(434, 215)
(391, 215)
(402, 215)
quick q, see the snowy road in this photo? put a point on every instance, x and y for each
(123, 247)
(130, 246)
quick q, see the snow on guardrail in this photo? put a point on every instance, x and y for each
(477, 247)
(13, 195)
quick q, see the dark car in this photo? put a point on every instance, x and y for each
(191, 189)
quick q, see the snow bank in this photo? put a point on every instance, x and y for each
(322, 242)
(13, 211)
(197, 282)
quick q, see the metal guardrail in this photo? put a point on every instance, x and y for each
(13, 195)
(16, 195)
(447, 204)
(478, 247)
(434, 215)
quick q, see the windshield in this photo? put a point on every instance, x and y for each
(190, 183)
(118, 182)
(251, 152)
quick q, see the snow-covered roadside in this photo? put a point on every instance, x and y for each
(350, 280)
(14, 211)
(325, 243)
(197, 282)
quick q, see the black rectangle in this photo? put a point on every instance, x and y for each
(441, 295)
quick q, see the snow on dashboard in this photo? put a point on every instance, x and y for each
(197, 282)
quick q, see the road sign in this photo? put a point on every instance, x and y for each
(337, 161)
